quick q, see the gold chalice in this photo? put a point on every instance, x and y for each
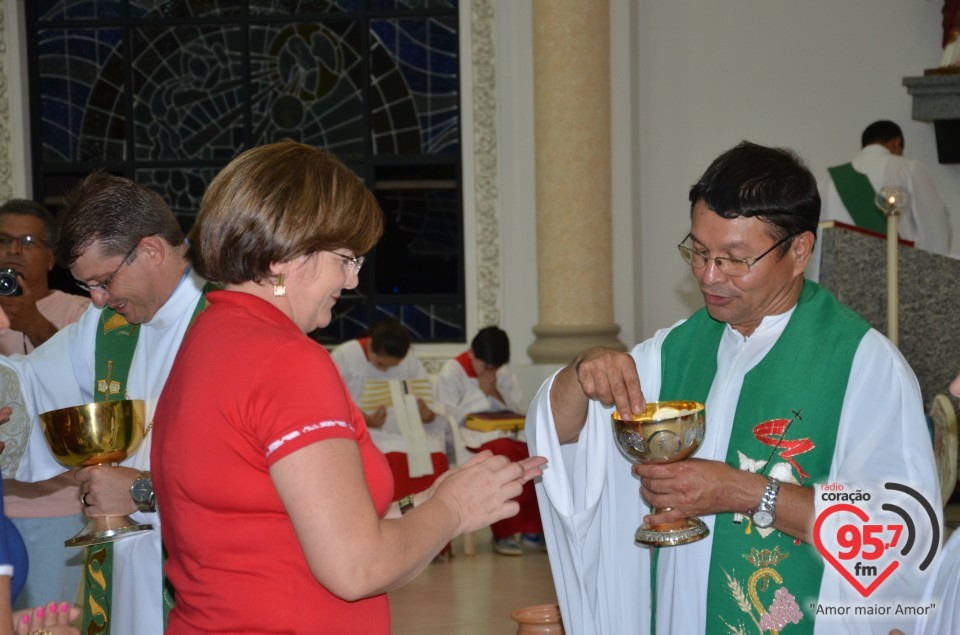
(100, 433)
(666, 432)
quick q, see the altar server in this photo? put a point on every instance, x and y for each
(402, 424)
(480, 380)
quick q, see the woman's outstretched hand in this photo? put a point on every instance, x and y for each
(480, 491)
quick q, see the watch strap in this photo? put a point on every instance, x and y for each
(406, 504)
(768, 502)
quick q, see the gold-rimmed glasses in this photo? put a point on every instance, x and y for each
(734, 267)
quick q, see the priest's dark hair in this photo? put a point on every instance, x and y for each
(773, 185)
(880, 132)
(491, 346)
(389, 337)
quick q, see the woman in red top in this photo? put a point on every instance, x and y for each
(276, 504)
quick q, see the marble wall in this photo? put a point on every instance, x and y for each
(854, 268)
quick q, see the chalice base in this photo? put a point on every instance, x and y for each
(681, 532)
(102, 529)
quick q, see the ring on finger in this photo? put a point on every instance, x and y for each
(83, 499)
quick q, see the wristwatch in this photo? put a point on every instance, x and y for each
(765, 514)
(142, 493)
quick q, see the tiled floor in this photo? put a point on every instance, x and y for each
(472, 595)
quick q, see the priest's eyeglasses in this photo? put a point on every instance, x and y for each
(26, 242)
(353, 264)
(733, 267)
(103, 286)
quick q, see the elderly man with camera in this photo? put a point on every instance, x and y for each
(30, 311)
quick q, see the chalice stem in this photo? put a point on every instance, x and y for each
(676, 524)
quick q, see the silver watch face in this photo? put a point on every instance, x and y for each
(762, 518)
(142, 489)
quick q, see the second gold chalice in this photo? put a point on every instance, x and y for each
(666, 432)
(100, 433)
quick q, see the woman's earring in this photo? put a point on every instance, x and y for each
(279, 289)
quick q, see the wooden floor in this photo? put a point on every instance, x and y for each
(472, 595)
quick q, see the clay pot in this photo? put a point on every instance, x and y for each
(542, 619)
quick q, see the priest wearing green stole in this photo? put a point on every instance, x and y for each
(124, 246)
(801, 395)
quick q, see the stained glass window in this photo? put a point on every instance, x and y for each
(168, 91)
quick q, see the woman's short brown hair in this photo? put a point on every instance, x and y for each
(278, 202)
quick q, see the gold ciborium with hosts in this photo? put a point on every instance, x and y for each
(666, 432)
(100, 433)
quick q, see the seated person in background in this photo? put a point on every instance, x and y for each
(30, 318)
(478, 380)
(385, 354)
(45, 518)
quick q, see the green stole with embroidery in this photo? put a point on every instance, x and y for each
(858, 196)
(792, 397)
(116, 342)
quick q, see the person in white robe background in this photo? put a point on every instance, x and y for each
(386, 353)
(480, 380)
(124, 246)
(753, 220)
(926, 221)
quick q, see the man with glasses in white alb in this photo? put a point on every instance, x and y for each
(122, 245)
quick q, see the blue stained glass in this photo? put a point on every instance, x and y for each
(181, 188)
(424, 87)
(301, 7)
(189, 93)
(185, 8)
(201, 93)
(308, 84)
(70, 63)
(395, 5)
(49, 10)
(426, 322)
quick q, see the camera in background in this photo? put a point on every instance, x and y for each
(9, 283)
